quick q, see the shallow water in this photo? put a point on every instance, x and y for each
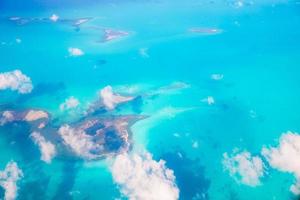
(256, 49)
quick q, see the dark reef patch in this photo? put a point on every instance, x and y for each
(2, 193)
(137, 104)
(70, 170)
(115, 142)
(190, 175)
(101, 62)
(34, 188)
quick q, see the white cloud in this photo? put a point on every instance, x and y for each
(15, 80)
(54, 17)
(79, 142)
(110, 99)
(75, 52)
(47, 149)
(244, 167)
(217, 77)
(69, 103)
(295, 188)
(34, 115)
(286, 157)
(81, 21)
(7, 116)
(142, 178)
(9, 178)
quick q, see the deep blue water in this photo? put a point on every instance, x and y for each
(257, 51)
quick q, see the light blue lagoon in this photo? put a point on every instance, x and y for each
(150, 100)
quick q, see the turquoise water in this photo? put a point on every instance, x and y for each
(257, 50)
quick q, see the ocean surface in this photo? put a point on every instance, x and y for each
(214, 77)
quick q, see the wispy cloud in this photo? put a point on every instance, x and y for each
(9, 178)
(69, 103)
(7, 116)
(47, 149)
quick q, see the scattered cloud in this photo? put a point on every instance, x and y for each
(54, 17)
(80, 143)
(217, 77)
(47, 149)
(9, 178)
(110, 99)
(244, 167)
(142, 178)
(15, 80)
(286, 157)
(69, 103)
(7, 116)
(75, 51)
